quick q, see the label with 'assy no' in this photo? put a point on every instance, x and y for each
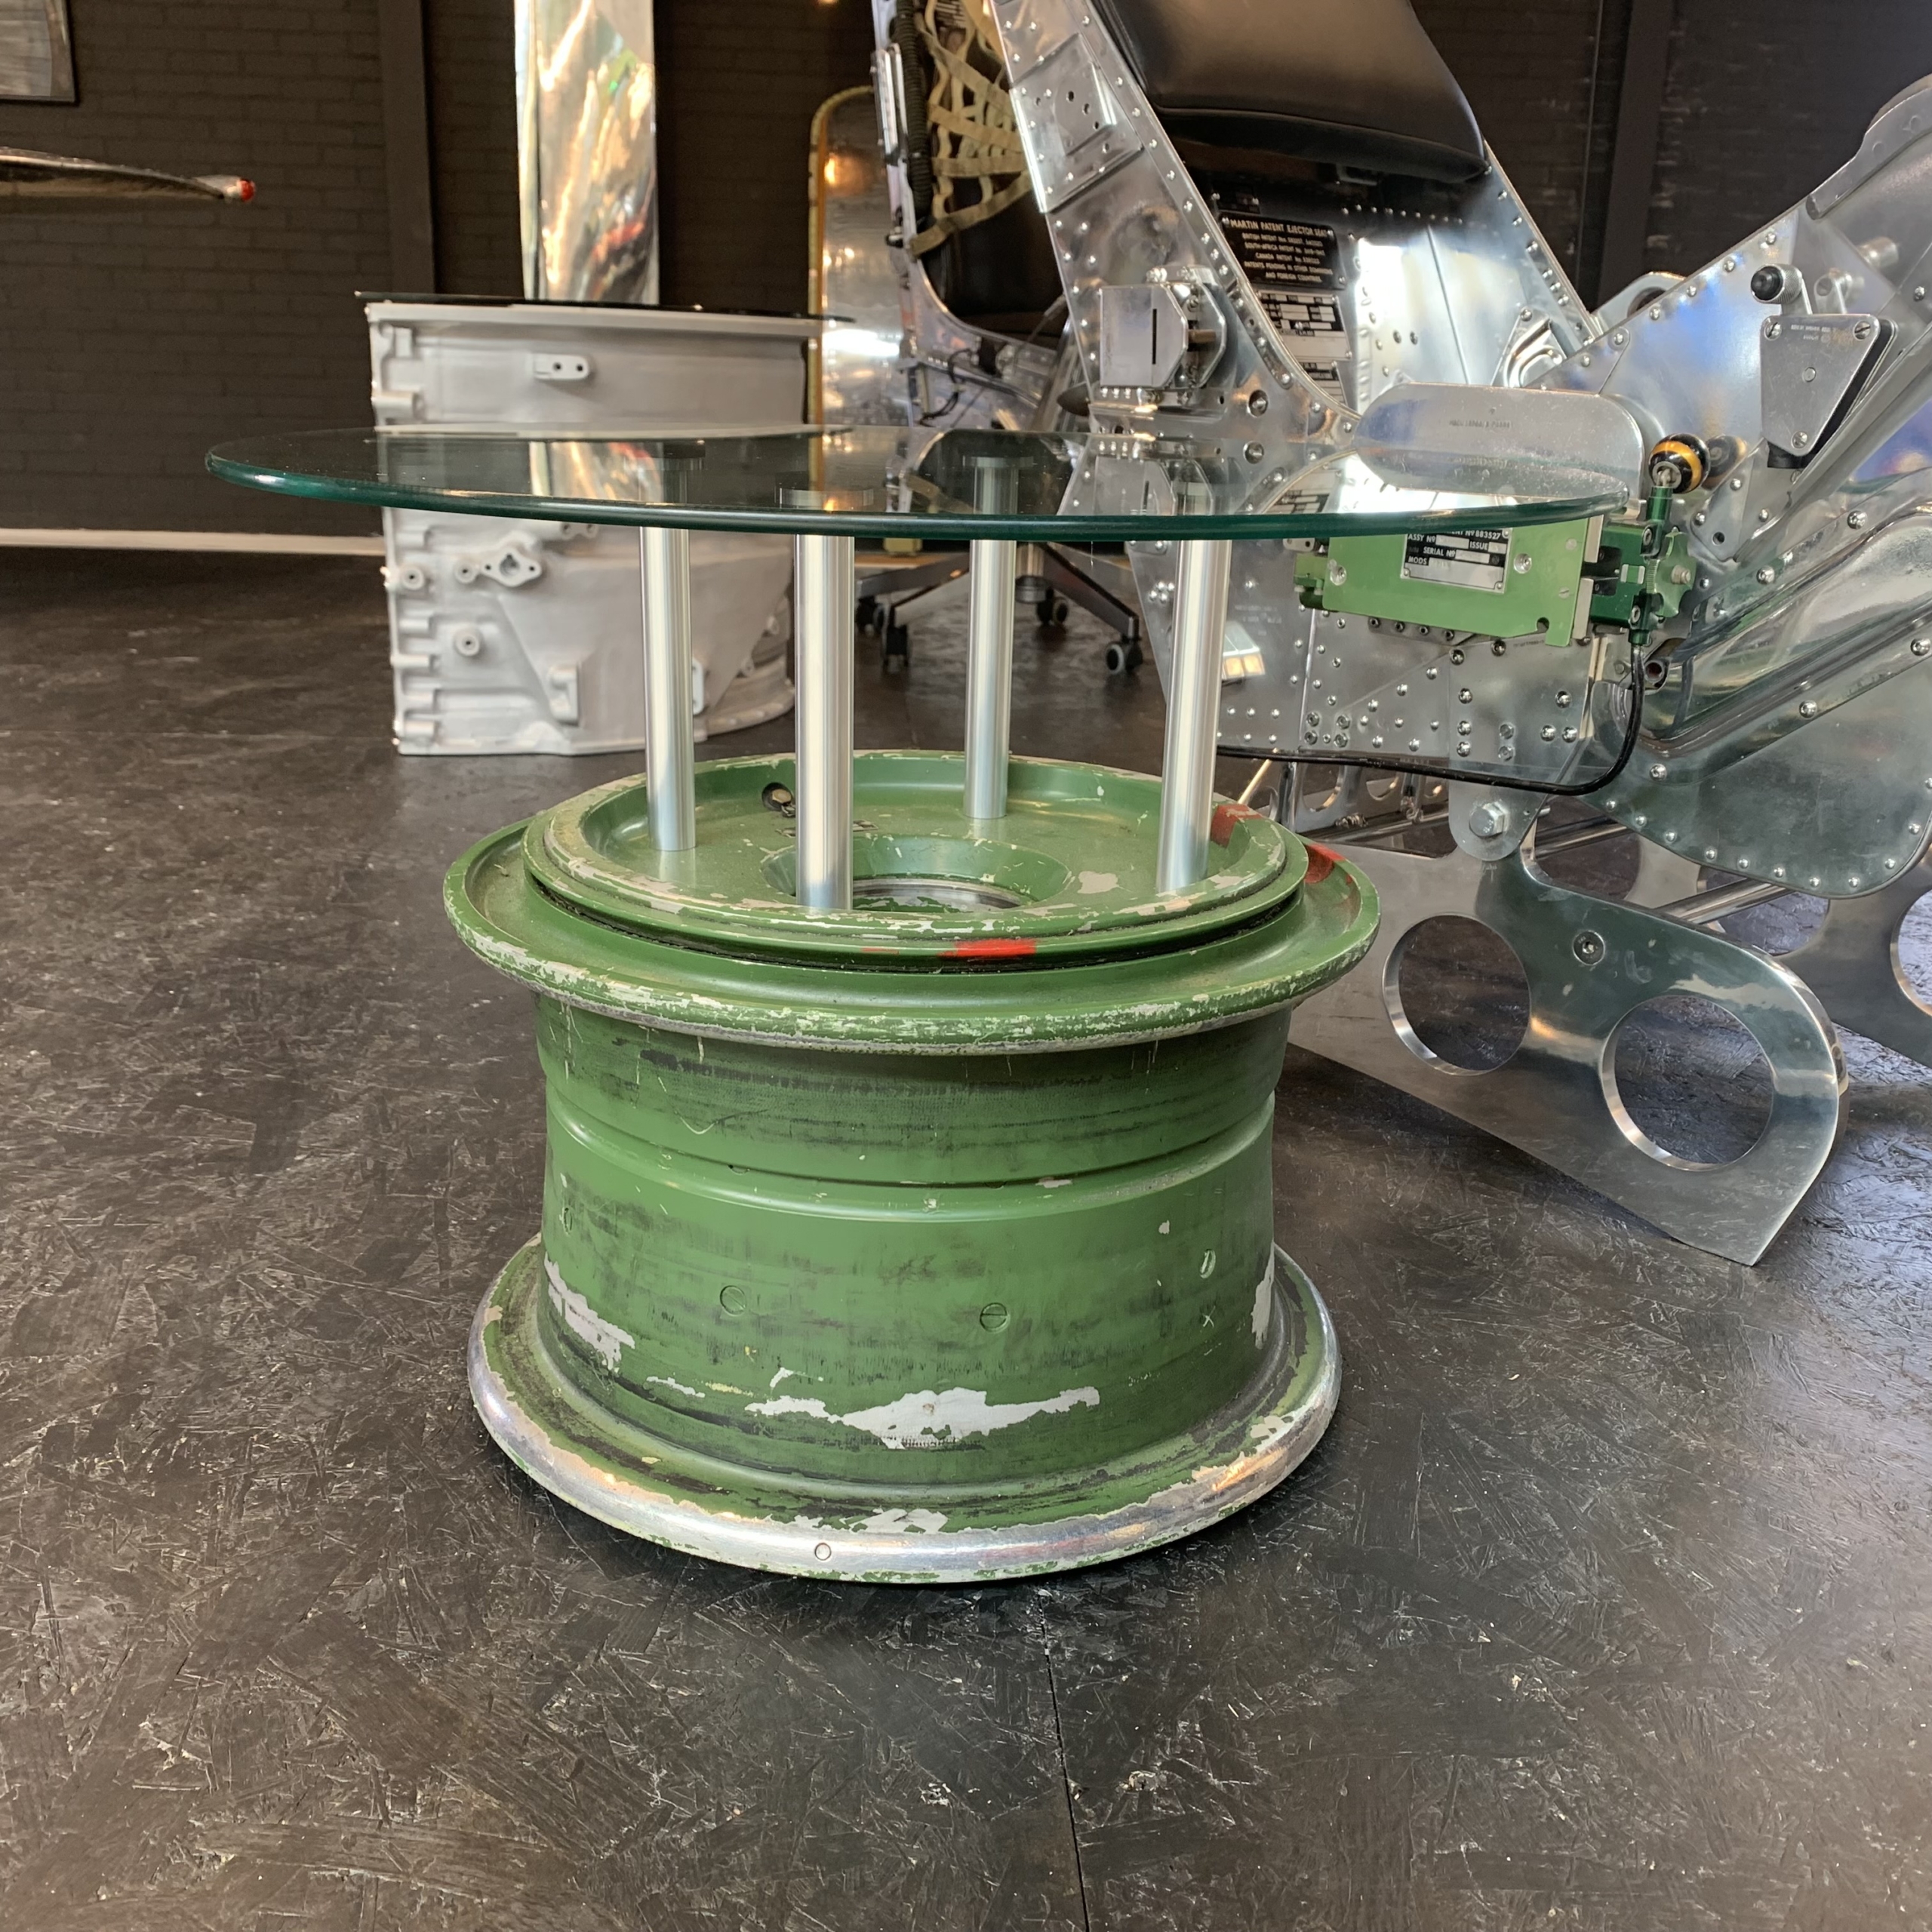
(1470, 559)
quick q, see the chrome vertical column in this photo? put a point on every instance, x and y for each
(989, 679)
(825, 593)
(989, 652)
(664, 557)
(1194, 696)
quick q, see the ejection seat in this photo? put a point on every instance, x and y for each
(1279, 232)
(929, 251)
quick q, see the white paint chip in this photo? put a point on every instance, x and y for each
(1093, 882)
(897, 1522)
(1264, 1305)
(925, 1415)
(682, 1388)
(605, 1337)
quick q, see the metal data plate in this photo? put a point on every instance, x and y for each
(1812, 366)
(1508, 583)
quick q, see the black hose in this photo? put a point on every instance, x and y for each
(916, 81)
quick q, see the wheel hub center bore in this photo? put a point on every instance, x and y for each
(931, 1239)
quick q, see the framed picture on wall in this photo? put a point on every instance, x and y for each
(36, 50)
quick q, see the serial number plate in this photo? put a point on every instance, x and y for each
(1469, 559)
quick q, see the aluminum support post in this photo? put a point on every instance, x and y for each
(825, 593)
(989, 679)
(1194, 694)
(665, 558)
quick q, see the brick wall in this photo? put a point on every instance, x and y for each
(1764, 98)
(133, 337)
(739, 84)
(1544, 86)
(468, 46)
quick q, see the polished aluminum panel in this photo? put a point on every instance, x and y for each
(1467, 294)
(861, 369)
(587, 149)
(1788, 738)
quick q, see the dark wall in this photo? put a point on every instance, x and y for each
(739, 81)
(468, 47)
(132, 337)
(132, 340)
(1766, 98)
(1542, 80)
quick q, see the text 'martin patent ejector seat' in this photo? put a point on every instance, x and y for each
(1277, 221)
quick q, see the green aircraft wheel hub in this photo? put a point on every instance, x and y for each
(931, 1241)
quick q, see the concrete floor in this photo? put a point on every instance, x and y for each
(1604, 1604)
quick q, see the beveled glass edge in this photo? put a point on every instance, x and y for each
(233, 464)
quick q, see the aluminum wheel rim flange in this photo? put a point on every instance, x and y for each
(648, 1488)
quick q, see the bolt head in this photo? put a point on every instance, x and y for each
(1921, 646)
(1809, 709)
(1659, 771)
(1858, 519)
(1588, 948)
(1767, 575)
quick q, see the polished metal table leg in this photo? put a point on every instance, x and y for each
(1194, 692)
(665, 558)
(825, 593)
(989, 679)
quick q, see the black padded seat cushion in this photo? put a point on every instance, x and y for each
(1356, 83)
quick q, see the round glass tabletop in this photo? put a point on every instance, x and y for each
(955, 484)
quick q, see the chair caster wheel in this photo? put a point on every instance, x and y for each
(1053, 612)
(1124, 654)
(866, 617)
(895, 646)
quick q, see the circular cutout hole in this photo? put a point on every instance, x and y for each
(1457, 993)
(1687, 1082)
(954, 895)
(1913, 951)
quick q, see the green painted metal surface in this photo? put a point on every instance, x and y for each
(899, 1263)
(1505, 582)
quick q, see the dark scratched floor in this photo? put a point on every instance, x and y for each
(1607, 1603)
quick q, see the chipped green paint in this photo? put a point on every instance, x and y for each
(907, 1266)
(1070, 867)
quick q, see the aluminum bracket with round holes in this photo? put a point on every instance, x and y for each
(1589, 963)
(1851, 962)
